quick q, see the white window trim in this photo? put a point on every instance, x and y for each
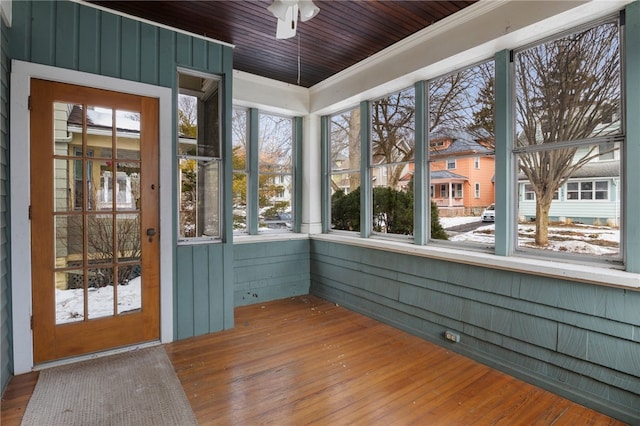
(593, 191)
(21, 75)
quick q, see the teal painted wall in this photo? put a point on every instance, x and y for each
(270, 270)
(73, 36)
(5, 298)
(578, 340)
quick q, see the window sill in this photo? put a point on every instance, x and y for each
(266, 237)
(561, 270)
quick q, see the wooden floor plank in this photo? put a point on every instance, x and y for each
(304, 360)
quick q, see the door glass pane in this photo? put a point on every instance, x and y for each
(69, 289)
(128, 135)
(67, 129)
(128, 237)
(100, 239)
(100, 131)
(63, 191)
(128, 186)
(99, 184)
(68, 234)
(100, 292)
(129, 288)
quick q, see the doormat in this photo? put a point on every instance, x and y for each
(133, 388)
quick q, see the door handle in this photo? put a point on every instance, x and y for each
(151, 232)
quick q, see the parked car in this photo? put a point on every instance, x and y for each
(281, 220)
(488, 214)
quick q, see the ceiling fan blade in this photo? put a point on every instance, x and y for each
(287, 27)
(307, 9)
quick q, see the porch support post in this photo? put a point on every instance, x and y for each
(421, 210)
(631, 201)
(366, 186)
(505, 221)
(252, 190)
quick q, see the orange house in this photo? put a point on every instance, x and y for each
(462, 172)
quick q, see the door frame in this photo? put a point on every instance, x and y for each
(21, 74)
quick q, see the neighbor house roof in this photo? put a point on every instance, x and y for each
(462, 143)
(596, 169)
(446, 175)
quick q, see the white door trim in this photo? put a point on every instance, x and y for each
(21, 74)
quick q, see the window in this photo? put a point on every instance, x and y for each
(590, 190)
(275, 172)
(391, 162)
(199, 159)
(461, 131)
(607, 151)
(344, 170)
(528, 193)
(567, 119)
(456, 190)
(239, 137)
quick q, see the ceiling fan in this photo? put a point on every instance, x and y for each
(287, 13)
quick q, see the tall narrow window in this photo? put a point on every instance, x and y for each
(199, 157)
(567, 122)
(344, 179)
(240, 143)
(392, 162)
(275, 163)
(461, 152)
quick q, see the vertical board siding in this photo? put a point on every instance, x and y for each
(577, 339)
(130, 50)
(270, 270)
(6, 368)
(43, 22)
(89, 43)
(76, 36)
(66, 33)
(149, 63)
(199, 276)
(110, 45)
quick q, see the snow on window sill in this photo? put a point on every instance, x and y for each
(542, 267)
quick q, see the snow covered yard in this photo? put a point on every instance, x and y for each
(70, 303)
(573, 238)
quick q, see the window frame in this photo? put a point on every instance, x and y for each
(507, 198)
(619, 139)
(218, 160)
(383, 166)
(290, 226)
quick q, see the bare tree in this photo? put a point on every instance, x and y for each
(345, 143)
(567, 90)
(393, 131)
(453, 102)
(188, 115)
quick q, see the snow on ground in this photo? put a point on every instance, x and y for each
(70, 303)
(448, 222)
(577, 238)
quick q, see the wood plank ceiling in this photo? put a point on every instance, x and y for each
(342, 34)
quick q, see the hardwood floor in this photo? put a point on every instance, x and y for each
(307, 361)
